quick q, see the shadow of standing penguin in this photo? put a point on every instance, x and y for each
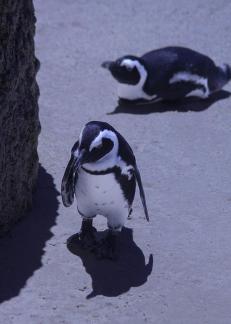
(115, 278)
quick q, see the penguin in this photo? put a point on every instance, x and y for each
(102, 174)
(169, 73)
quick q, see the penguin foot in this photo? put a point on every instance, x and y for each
(87, 239)
(106, 248)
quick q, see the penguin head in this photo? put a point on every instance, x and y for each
(98, 146)
(126, 69)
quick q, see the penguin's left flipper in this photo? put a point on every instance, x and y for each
(131, 161)
(141, 189)
(69, 180)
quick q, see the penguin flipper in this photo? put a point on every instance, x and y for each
(141, 189)
(69, 181)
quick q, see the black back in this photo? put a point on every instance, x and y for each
(163, 63)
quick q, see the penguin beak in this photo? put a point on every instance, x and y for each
(79, 160)
(108, 65)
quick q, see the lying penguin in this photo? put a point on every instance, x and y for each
(168, 73)
(102, 174)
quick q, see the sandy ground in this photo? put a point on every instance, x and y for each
(175, 269)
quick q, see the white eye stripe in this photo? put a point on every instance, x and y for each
(100, 145)
(129, 64)
(98, 140)
(96, 145)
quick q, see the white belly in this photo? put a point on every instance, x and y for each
(133, 92)
(102, 195)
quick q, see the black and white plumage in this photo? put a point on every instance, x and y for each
(168, 73)
(102, 174)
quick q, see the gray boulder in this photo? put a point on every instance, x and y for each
(19, 120)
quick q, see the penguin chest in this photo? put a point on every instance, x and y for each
(133, 92)
(99, 194)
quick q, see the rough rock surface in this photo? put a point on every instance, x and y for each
(19, 122)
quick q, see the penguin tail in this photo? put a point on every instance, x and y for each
(223, 77)
(227, 71)
(149, 266)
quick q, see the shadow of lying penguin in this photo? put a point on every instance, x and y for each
(184, 105)
(113, 278)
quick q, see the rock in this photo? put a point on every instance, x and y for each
(19, 120)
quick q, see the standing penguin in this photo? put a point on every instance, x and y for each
(102, 174)
(168, 73)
